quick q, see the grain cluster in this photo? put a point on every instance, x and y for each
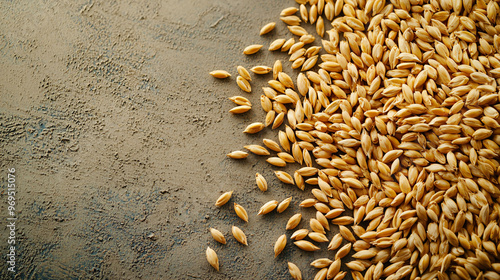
(394, 125)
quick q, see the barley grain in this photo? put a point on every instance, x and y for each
(220, 74)
(237, 155)
(240, 100)
(267, 28)
(254, 128)
(306, 245)
(252, 49)
(284, 205)
(294, 271)
(243, 84)
(288, 11)
(241, 212)
(268, 207)
(258, 150)
(284, 177)
(224, 198)
(279, 245)
(240, 109)
(261, 69)
(239, 235)
(294, 221)
(212, 258)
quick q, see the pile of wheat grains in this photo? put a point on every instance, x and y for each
(395, 117)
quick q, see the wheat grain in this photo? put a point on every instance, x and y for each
(335, 242)
(334, 269)
(297, 30)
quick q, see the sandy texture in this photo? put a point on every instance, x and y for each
(117, 133)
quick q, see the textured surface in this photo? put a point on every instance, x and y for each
(117, 132)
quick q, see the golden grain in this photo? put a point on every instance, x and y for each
(334, 269)
(284, 177)
(218, 236)
(294, 271)
(309, 63)
(284, 205)
(294, 221)
(402, 120)
(288, 44)
(278, 120)
(288, 11)
(261, 182)
(268, 207)
(279, 245)
(239, 235)
(261, 69)
(240, 109)
(276, 44)
(241, 212)
(291, 20)
(306, 245)
(297, 30)
(318, 237)
(335, 242)
(237, 155)
(276, 161)
(272, 145)
(254, 128)
(243, 84)
(220, 74)
(267, 28)
(300, 234)
(240, 100)
(252, 49)
(212, 258)
(224, 198)
(342, 252)
(258, 150)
